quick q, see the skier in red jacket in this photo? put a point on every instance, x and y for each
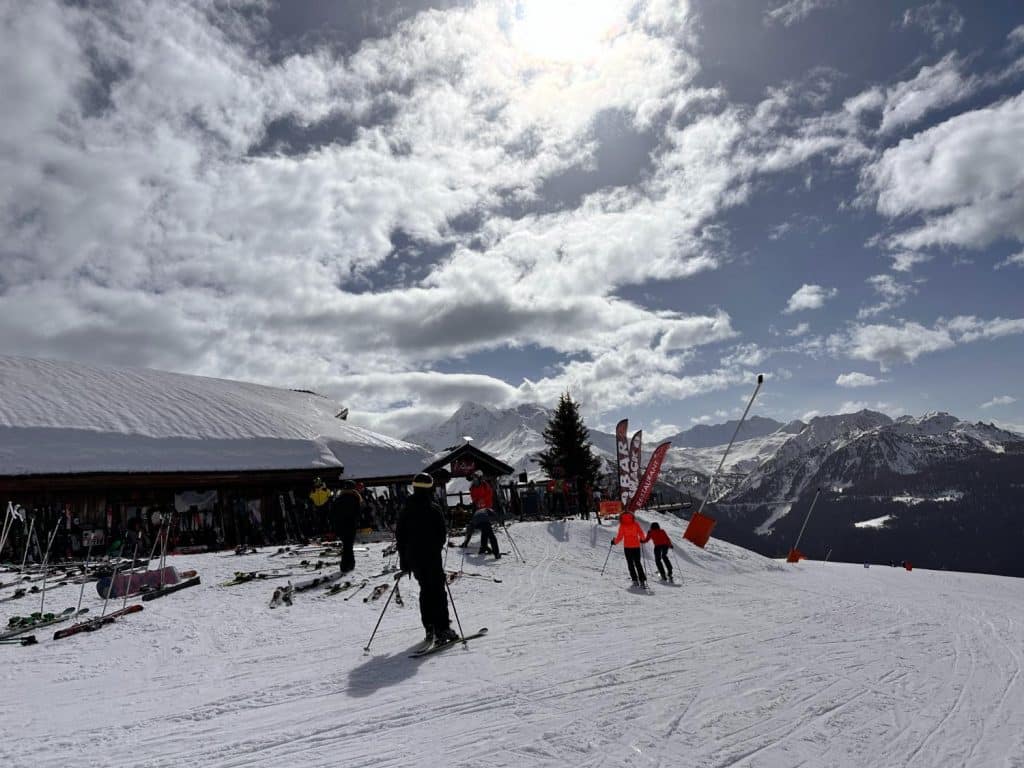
(632, 537)
(662, 544)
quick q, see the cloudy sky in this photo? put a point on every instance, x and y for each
(407, 204)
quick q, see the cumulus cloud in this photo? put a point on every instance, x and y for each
(934, 87)
(939, 19)
(1016, 260)
(1016, 37)
(892, 292)
(954, 178)
(793, 11)
(889, 345)
(800, 329)
(999, 400)
(809, 296)
(904, 261)
(856, 379)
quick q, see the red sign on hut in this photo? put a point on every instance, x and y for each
(463, 467)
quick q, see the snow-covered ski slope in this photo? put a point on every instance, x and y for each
(58, 417)
(749, 663)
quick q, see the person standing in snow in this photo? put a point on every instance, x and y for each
(482, 495)
(662, 544)
(632, 537)
(421, 534)
(346, 509)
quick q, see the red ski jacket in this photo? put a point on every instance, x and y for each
(659, 538)
(482, 496)
(630, 533)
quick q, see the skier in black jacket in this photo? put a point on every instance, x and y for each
(421, 534)
(346, 509)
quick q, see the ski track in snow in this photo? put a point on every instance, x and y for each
(750, 663)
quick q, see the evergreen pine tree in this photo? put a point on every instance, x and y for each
(568, 452)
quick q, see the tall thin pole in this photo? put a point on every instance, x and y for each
(711, 482)
(46, 560)
(380, 618)
(134, 555)
(8, 524)
(85, 572)
(28, 542)
(817, 493)
(113, 578)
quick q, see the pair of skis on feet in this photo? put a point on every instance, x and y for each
(437, 647)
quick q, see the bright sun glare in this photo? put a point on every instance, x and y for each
(567, 31)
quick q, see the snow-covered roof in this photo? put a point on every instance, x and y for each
(58, 417)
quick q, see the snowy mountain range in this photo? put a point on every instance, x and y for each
(940, 487)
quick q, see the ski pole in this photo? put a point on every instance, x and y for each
(113, 578)
(81, 592)
(381, 617)
(515, 547)
(8, 524)
(455, 610)
(28, 543)
(46, 560)
(134, 555)
(610, 546)
(357, 589)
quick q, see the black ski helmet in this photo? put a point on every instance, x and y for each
(423, 480)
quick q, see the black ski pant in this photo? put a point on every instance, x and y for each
(636, 568)
(661, 560)
(488, 540)
(429, 572)
(348, 555)
(557, 505)
(470, 527)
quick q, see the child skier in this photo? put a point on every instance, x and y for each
(632, 537)
(662, 544)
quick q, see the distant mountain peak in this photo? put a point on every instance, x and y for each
(708, 435)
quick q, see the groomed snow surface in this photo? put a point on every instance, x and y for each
(749, 663)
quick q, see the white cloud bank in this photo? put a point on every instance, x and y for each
(999, 400)
(809, 296)
(855, 379)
